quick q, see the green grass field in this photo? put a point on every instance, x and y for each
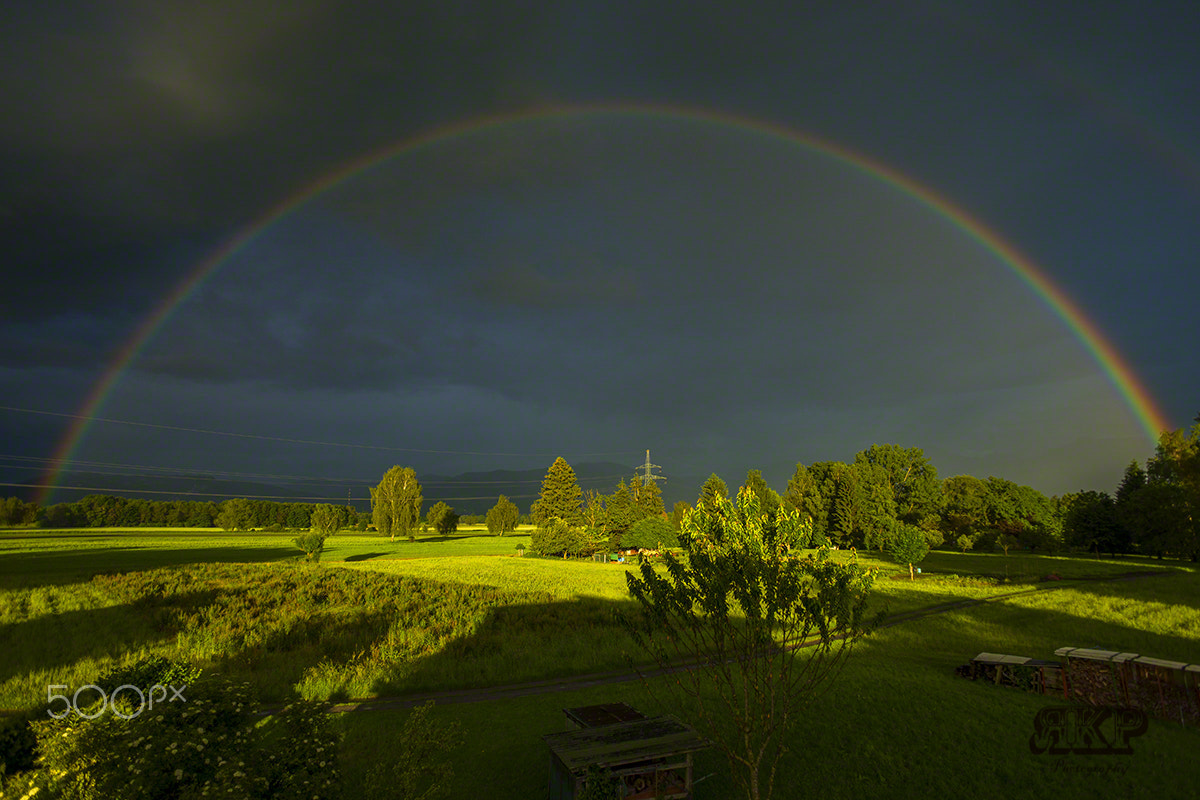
(381, 618)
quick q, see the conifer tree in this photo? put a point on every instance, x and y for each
(561, 496)
(712, 492)
(649, 499)
(620, 514)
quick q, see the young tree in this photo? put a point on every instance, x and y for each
(739, 607)
(908, 546)
(313, 544)
(560, 497)
(327, 519)
(396, 502)
(502, 517)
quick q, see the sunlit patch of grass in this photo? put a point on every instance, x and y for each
(560, 578)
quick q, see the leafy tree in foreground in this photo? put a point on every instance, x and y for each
(560, 497)
(738, 607)
(908, 546)
(396, 502)
(502, 518)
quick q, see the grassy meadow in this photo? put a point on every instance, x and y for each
(376, 618)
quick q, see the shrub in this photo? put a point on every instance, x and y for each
(313, 544)
(556, 537)
(211, 742)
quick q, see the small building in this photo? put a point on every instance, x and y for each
(649, 757)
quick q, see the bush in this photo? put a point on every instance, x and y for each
(313, 544)
(211, 742)
(148, 672)
(556, 537)
(651, 533)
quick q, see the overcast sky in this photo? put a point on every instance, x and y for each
(592, 284)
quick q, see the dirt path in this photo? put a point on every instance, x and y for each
(586, 681)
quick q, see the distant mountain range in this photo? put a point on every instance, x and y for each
(468, 493)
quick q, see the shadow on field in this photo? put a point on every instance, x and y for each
(365, 556)
(57, 640)
(34, 568)
(277, 662)
(526, 641)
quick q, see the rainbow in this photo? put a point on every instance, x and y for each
(1118, 370)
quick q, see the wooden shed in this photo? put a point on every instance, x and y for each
(650, 757)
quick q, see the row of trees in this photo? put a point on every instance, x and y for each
(891, 494)
(95, 511)
(1155, 511)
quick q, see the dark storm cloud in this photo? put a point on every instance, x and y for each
(533, 288)
(565, 282)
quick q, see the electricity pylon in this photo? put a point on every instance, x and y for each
(647, 475)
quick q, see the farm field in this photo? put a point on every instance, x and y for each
(376, 618)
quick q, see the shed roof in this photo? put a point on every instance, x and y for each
(625, 743)
(603, 714)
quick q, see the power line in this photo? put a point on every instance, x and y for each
(287, 440)
(201, 473)
(286, 497)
